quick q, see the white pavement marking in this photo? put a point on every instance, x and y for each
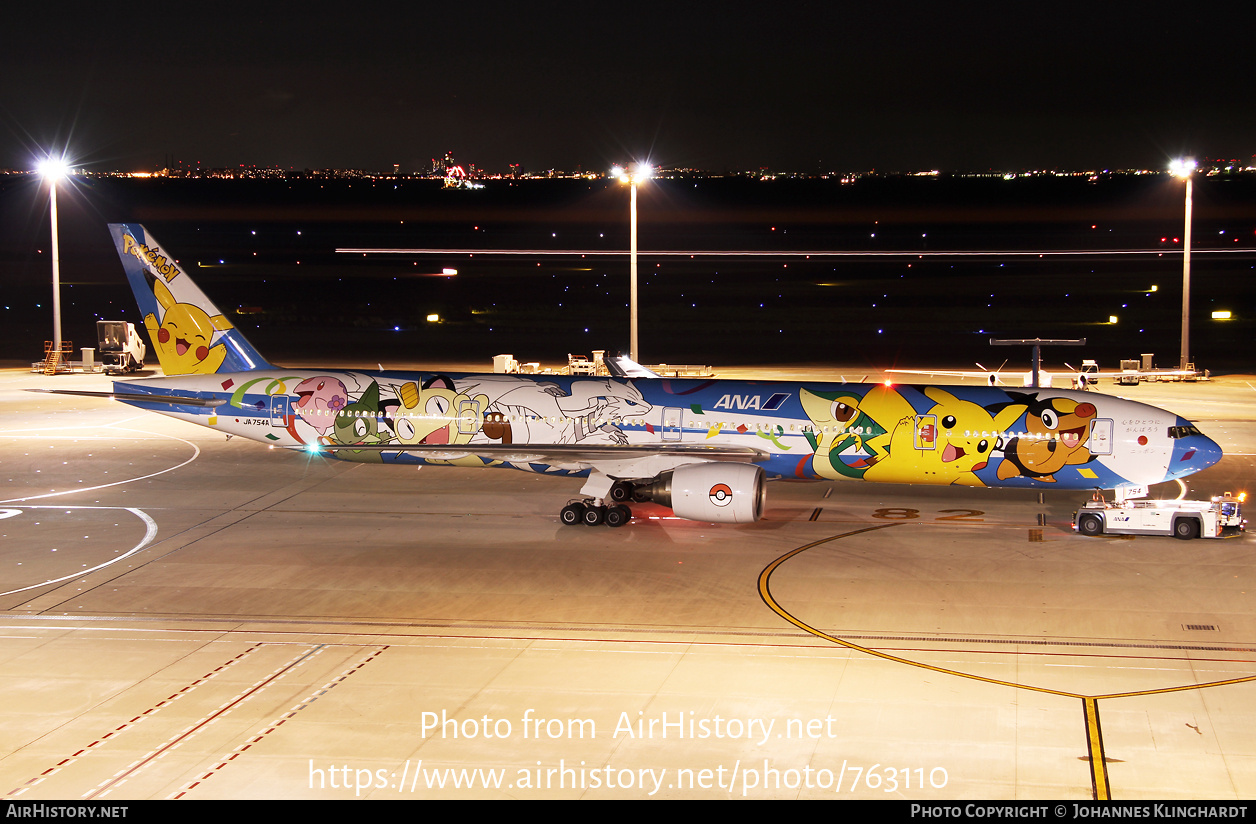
(149, 533)
(195, 454)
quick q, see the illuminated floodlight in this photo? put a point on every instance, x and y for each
(53, 168)
(1182, 167)
(448, 271)
(1112, 319)
(633, 173)
(433, 318)
(1222, 314)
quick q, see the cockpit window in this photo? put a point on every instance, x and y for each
(1176, 432)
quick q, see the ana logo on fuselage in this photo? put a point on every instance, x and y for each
(751, 402)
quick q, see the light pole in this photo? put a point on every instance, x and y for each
(1183, 169)
(633, 176)
(52, 169)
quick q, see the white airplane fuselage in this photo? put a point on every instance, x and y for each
(703, 447)
(636, 429)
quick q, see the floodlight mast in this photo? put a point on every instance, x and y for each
(52, 169)
(1183, 169)
(633, 176)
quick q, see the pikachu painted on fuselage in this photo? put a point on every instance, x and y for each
(946, 445)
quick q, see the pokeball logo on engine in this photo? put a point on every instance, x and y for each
(721, 494)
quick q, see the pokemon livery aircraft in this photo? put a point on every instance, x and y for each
(704, 448)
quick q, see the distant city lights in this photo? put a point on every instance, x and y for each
(462, 175)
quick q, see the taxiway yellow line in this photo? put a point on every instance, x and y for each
(765, 593)
(1090, 703)
(1094, 746)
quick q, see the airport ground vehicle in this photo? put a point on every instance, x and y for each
(1218, 518)
(120, 347)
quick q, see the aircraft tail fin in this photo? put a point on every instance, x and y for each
(622, 366)
(188, 333)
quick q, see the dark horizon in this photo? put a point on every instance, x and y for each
(276, 241)
(804, 87)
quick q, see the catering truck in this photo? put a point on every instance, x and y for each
(120, 346)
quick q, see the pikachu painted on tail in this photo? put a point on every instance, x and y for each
(190, 334)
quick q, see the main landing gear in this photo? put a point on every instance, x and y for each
(591, 513)
(606, 503)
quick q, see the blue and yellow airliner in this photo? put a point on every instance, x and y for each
(703, 447)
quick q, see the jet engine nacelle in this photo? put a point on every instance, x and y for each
(722, 493)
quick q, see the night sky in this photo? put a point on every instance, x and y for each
(804, 86)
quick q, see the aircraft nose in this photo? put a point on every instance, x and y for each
(1194, 452)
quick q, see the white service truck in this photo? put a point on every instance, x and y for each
(120, 346)
(1218, 518)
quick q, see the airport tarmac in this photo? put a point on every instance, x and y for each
(188, 617)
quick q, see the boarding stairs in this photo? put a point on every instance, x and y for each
(57, 360)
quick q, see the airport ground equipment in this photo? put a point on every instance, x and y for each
(1220, 517)
(120, 346)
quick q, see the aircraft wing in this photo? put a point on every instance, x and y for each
(957, 373)
(950, 373)
(622, 366)
(954, 373)
(559, 453)
(1152, 373)
(996, 378)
